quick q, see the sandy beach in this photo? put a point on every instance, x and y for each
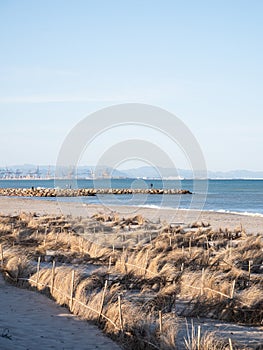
(11, 206)
(29, 319)
(131, 186)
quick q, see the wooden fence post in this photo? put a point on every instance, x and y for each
(72, 290)
(230, 344)
(53, 276)
(230, 248)
(198, 337)
(120, 313)
(102, 299)
(233, 289)
(2, 256)
(38, 269)
(160, 321)
(109, 264)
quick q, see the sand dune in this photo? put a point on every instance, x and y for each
(28, 319)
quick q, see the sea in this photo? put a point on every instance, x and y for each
(243, 196)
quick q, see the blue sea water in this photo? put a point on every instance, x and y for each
(241, 196)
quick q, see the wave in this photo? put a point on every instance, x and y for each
(222, 211)
(153, 206)
(245, 213)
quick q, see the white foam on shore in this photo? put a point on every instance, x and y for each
(153, 206)
(245, 213)
(222, 211)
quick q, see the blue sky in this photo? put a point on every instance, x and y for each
(201, 60)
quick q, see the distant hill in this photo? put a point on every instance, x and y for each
(236, 174)
(151, 172)
(43, 171)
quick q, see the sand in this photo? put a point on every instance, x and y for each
(29, 320)
(34, 321)
(11, 206)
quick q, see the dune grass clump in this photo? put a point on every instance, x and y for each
(94, 301)
(17, 267)
(196, 340)
(136, 278)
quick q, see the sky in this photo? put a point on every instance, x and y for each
(200, 60)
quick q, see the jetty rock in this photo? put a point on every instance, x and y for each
(84, 192)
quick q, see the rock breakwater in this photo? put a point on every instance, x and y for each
(83, 192)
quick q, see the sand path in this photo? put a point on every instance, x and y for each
(32, 321)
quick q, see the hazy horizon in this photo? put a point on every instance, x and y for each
(35, 166)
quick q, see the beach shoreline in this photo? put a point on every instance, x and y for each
(14, 206)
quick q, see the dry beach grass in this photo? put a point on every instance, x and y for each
(140, 280)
